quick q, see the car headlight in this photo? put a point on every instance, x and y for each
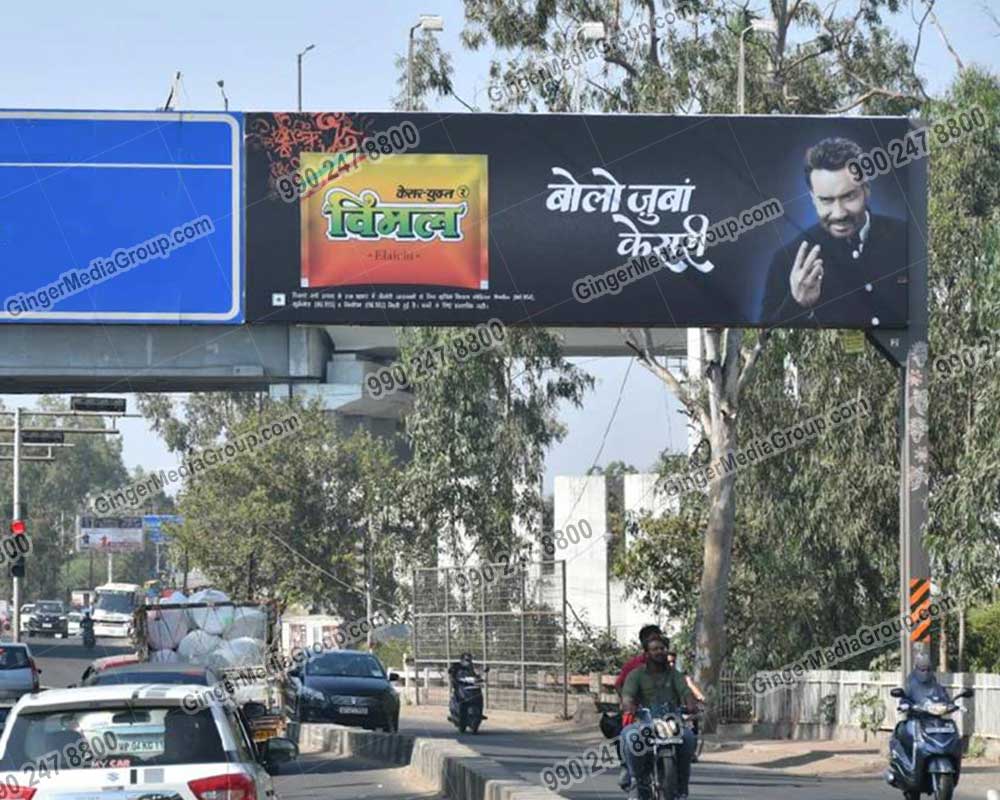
(311, 696)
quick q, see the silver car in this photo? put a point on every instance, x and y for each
(18, 672)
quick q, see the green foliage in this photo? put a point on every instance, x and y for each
(432, 70)
(963, 532)
(53, 493)
(479, 430)
(662, 566)
(287, 519)
(390, 652)
(589, 651)
(870, 710)
(828, 708)
(983, 632)
(976, 747)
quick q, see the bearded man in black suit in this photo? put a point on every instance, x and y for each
(848, 270)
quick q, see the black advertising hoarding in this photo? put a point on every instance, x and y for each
(573, 220)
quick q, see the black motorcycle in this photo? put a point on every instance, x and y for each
(465, 709)
(89, 641)
(925, 752)
(662, 730)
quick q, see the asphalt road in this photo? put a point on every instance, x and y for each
(62, 661)
(528, 754)
(523, 751)
(319, 778)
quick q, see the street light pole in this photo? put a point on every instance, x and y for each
(428, 22)
(766, 25)
(17, 515)
(225, 100)
(310, 47)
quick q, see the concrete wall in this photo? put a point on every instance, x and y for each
(801, 709)
(579, 500)
(587, 584)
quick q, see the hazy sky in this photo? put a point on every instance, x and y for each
(118, 54)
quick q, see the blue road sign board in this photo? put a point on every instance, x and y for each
(121, 217)
(153, 523)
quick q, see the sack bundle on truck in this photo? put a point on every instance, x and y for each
(237, 641)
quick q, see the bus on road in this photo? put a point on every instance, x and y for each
(113, 608)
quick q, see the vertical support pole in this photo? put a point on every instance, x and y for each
(111, 567)
(914, 460)
(369, 580)
(915, 579)
(486, 683)
(17, 515)
(415, 640)
(565, 646)
(447, 616)
(524, 669)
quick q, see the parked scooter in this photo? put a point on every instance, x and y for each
(925, 752)
(465, 710)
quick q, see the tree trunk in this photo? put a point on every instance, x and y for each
(710, 623)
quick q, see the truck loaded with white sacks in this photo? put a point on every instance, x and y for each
(239, 642)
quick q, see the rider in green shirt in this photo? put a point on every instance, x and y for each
(655, 684)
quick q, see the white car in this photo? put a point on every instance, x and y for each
(131, 740)
(26, 611)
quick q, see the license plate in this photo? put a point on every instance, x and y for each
(352, 710)
(147, 744)
(46, 624)
(938, 729)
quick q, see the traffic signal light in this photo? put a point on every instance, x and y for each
(18, 527)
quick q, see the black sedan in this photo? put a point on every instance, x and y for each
(49, 619)
(346, 687)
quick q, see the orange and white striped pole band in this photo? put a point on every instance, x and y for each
(920, 614)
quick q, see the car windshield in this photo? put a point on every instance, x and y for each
(114, 738)
(13, 658)
(345, 665)
(115, 602)
(49, 608)
(116, 677)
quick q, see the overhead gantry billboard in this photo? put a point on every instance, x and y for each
(121, 217)
(570, 220)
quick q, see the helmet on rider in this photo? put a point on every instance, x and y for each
(922, 669)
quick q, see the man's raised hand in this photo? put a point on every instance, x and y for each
(807, 275)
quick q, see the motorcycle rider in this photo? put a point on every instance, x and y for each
(922, 680)
(87, 626)
(655, 684)
(463, 668)
(639, 660)
(646, 631)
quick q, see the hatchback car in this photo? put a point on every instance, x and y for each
(345, 686)
(18, 671)
(113, 740)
